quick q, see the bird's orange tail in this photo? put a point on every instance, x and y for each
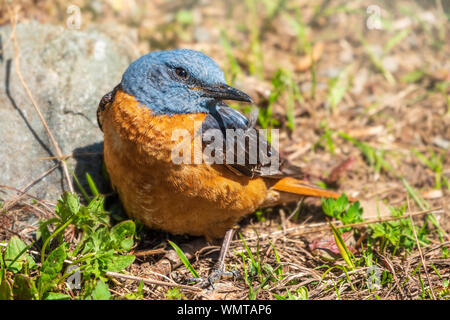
(303, 188)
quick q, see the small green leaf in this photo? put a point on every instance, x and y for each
(15, 254)
(122, 235)
(51, 268)
(138, 294)
(68, 205)
(328, 206)
(353, 214)
(174, 294)
(101, 291)
(73, 202)
(120, 262)
(445, 252)
(56, 296)
(96, 207)
(341, 204)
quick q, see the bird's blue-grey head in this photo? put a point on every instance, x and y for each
(178, 81)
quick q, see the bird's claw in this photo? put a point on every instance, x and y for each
(214, 277)
(218, 274)
(194, 279)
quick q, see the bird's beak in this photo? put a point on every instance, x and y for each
(225, 92)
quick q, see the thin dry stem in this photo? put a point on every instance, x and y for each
(33, 101)
(420, 251)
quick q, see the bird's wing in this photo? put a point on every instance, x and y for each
(105, 102)
(256, 162)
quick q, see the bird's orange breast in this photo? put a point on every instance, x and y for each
(195, 199)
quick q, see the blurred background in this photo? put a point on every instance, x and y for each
(361, 80)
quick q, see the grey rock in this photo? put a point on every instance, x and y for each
(68, 72)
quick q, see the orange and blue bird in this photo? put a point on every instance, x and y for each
(168, 90)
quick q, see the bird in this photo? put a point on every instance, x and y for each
(169, 90)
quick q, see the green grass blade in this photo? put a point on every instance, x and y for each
(92, 185)
(83, 191)
(249, 252)
(184, 259)
(342, 247)
(395, 40)
(416, 197)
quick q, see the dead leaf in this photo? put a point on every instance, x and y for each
(340, 171)
(327, 248)
(432, 194)
(305, 62)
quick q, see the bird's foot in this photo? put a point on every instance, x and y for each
(193, 279)
(214, 277)
(219, 274)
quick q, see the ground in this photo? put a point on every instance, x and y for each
(360, 91)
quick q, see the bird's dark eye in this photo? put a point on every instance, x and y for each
(182, 73)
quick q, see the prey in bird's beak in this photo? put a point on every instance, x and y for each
(224, 92)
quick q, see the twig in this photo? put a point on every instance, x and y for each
(71, 155)
(33, 101)
(394, 274)
(161, 275)
(150, 252)
(151, 281)
(10, 204)
(42, 202)
(420, 250)
(297, 208)
(429, 250)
